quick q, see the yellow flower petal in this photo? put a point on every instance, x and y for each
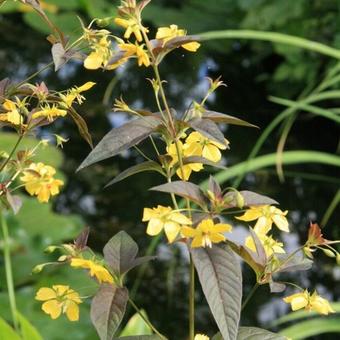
(171, 230)
(197, 242)
(52, 307)
(155, 226)
(93, 61)
(45, 293)
(179, 218)
(192, 46)
(72, 311)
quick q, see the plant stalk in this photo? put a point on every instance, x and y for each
(8, 270)
(192, 301)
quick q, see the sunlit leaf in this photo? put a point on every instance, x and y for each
(145, 166)
(219, 117)
(136, 326)
(220, 276)
(28, 331)
(121, 138)
(7, 332)
(107, 310)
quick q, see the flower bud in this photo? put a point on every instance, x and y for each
(328, 252)
(338, 258)
(62, 258)
(239, 200)
(38, 268)
(50, 249)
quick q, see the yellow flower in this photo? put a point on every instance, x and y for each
(168, 33)
(59, 299)
(206, 233)
(309, 302)
(201, 337)
(39, 181)
(101, 53)
(96, 270)
(266, 215)
(75, 94)
(164, 218)
(138, 51)
(12, 115)
(270, 245)
(50, 113)
(132, 27)
(208, 149)
(186, 170)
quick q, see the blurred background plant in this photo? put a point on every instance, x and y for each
(301, 114)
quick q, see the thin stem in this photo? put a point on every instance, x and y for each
(192, 301)
(250, 295)
(146, 320)
(12, 152)
(9, 272)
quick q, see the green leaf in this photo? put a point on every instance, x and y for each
(220, 276)
(121, 138)
(120, 253)
(250, 199)
(28, 331)
(108, 309)
(7, 332)
(219, 117)
(273, 37)
(145, 166)
(309, 328)
(208, 129)
(184, 189)
(136, 326)
(254, 333)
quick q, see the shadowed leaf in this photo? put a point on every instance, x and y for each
(250, 199)
(121, 138)
(145, 166)
(184, 189)
(220, 276)
(82, 126)
(297, 263)
(81, 240)
(120, 253)
(254, 333)
(207, 128)
(202, 160)
(107, 310)
(219, 117)
(277, 287)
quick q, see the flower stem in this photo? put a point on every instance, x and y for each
(250, 295)
(8, 269)
(192, 301)
(146, 320)
(12, 152)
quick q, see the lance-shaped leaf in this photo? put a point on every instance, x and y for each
(14, 201)
(120, 253)
(145, 166)
(61, 56)
(207, 128)
(184, 189)
(250, 199)
(81, 125)
(121, 138)
(107, 309)
(219, 117)
(202, 160)
(254, 333)
(80, 242)
(220, 276)
(296, 263)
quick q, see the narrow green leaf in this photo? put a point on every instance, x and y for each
(107, 309)
(309, 328)
(306, 107)
(254, 333)
(28, 331)
(120, 253)
(183, 189)
(220, 276)
(81, 125)
(273, 37)
(145, 166)
(208, 129)
(121, 138)
(219, 117)
(7, 332)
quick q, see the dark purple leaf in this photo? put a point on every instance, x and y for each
(219, 117)
(207, 128)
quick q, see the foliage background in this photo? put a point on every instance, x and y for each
(253, 70)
